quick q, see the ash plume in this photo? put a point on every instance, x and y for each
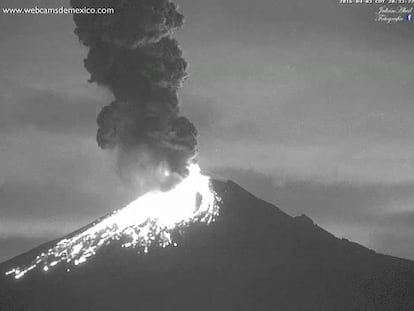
(133, 54)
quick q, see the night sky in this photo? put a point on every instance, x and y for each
(305, 103)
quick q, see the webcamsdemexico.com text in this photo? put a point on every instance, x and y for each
(59, 10)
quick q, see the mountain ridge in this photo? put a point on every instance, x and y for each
(254, 256)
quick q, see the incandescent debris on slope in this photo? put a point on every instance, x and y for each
(254, 257)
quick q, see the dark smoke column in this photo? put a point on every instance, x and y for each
(131, 52)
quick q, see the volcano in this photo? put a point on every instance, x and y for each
(253, 257)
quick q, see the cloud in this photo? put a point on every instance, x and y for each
(328, 163)
(52, 186)
(23, 106)
(399, 219)
(49, 201)
(374, 215)
(394, 234)
(395, 243)
(51, 178)
(12, 246)
(40, 229)
(308, 91)
(307, 104)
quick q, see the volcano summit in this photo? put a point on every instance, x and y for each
(253, 257)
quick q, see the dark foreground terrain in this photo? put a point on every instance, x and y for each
(254, 257)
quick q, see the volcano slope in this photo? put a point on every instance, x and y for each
(254, 257)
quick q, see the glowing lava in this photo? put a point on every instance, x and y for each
(147, 220)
